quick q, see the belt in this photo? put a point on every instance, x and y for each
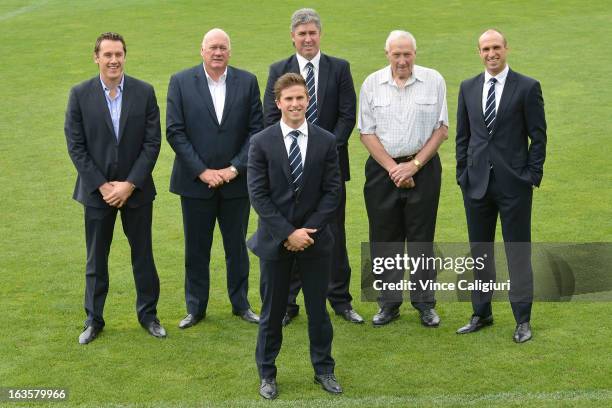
(404, 159)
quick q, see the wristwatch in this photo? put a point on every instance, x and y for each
(417, 163)
(234, 170)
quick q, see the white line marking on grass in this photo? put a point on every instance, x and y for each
(22, 10)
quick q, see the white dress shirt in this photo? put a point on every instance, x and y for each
(217, 92)
(499, 87)
(403, 118)
(302, 139)
(304, 71)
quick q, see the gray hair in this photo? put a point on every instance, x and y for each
(305, 16)
(397, 34)
(217, 31)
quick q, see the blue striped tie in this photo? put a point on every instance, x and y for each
(311, 112)
(489, 113)
(295, 161)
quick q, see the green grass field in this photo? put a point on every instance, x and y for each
(46, 48)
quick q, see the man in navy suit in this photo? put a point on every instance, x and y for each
(294, 185)
(332, 107)
(113, 136)
(499, 111)
(213, 109)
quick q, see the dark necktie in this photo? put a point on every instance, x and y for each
(489, 112)
(295, 161)
(311, 112)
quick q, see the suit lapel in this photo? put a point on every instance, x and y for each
(282, 152)
(310, 154)
(126, 101)
(507, 93)
(231, 88)
(322, 82)
(202, 88)
(102, 106)
(477, 97)
(293, 65)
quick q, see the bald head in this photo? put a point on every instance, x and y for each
(216, 33)
(492, 34)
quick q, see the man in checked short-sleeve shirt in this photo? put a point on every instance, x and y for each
(403, 120)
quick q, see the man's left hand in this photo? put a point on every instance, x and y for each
(227, 174)
(122, 190)
(402, 172)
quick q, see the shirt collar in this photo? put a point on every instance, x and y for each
(303, 61)
(120, 86)
(221, 80)
(387, 77)
(303, 129)
(501, 77)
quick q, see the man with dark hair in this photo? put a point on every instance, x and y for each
(294, 186)
(332, 106)
(113, 135)
(213, 109)
(497, 169)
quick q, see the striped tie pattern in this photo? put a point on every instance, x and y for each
(311, 112)
(489, 113)
(295, 161)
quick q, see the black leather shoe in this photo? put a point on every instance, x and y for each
(328, 383)
(89, 334)
(476, 323)
(350, 315)
(522, 333)
(384, 316)
(190, 320)
(430, 318)
(248, 316)
(287, 318)
(268, 389)
(155, 329)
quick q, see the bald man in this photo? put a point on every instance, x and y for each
(501, 147)
(213, 110)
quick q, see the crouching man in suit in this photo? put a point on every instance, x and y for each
(294, 186)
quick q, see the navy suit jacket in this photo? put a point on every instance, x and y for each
(94, 149)
(336, 100)
(519, 118)
(200, 141)
(281, 211)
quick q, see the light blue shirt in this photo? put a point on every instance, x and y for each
(114, 105)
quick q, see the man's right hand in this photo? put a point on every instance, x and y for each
(299, 239)
(406, 184)
(211, 177)
(105, 189)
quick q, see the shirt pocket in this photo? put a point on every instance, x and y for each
(426, 103)
(382, 112)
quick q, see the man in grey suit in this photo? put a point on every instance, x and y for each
(113, 136)
(213, 109)
(498, 112)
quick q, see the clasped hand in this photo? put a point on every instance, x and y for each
(299, 239)
(116, 193)
(215, 178)
(401, 175)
